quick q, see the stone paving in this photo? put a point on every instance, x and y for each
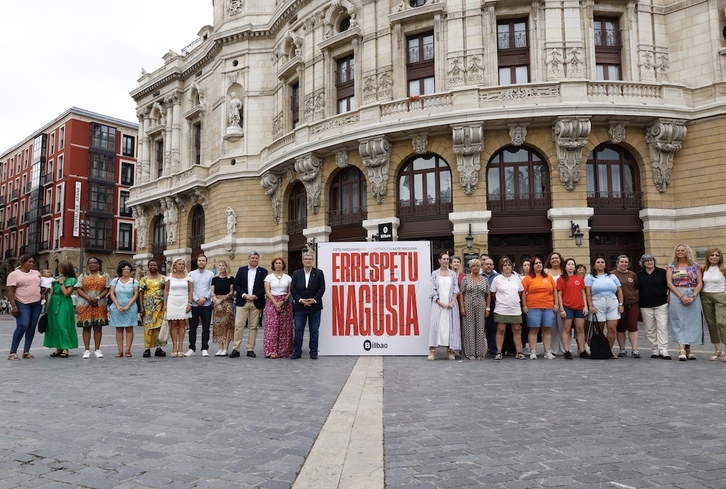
(252, 422)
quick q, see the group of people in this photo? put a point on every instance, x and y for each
(500, 312)
(223, 303)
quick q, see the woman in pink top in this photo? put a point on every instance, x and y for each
(24, 296)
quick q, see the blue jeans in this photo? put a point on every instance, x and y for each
(205, 314)
(313, 317)
(28, 315)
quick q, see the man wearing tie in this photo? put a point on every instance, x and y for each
(308, 286)
(249, 286)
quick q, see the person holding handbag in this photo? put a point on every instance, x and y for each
(604, 297)
(151, 288)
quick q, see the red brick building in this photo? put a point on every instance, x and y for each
(63, 193)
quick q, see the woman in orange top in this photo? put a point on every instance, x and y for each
(540, 305)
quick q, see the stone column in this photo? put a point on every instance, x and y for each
(142, 165)
(174, 101)
(167, 141)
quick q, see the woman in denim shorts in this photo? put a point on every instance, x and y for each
(540, 304)
(604, 297)
(571, 294)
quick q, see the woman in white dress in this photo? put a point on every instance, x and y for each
(445, 323)
(178, 305)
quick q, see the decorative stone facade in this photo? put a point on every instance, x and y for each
(254, 109)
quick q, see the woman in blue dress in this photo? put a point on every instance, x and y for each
(123, 311)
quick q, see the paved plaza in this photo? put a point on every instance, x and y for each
(369, 422)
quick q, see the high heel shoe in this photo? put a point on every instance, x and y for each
(716, 355)
(682, 356)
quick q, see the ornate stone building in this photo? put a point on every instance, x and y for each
(510, 121)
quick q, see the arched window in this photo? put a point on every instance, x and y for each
(517, 180)
(297, 210)
(612, 178)
(424, 188)
(348, 198)
(197, 237)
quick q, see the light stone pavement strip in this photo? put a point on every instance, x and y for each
(219, 422)
(348, 453)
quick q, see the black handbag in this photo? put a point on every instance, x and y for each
(43, 323)
(599, 344)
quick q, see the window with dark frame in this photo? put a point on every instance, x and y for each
(517, 180)
(127, 174)
(128, 146)
(513, 51)
(297, 210)
(100, 233)
(101, 167)
(103, 137)
(420, 64)
(159, 158)
(425, 187)
(345, 84)
(125, 236)
(608, 48)
(100, 198)
(348, 197)
(123, 209)
(197, 132)
(612, 178)
(295, 104)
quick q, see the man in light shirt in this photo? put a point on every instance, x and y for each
(249, 287)
(201, 306)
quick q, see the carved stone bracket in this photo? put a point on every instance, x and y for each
(376, 154)
(141, 223)
(341, 159)
(518, 133)
(199, 196)
(272, 185)
(617, 132)
(664, 138)
(309, 167)
(570, 136)
(468, 144)
(420, 144)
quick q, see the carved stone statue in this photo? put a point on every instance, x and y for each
(231, 222)
(235, 105)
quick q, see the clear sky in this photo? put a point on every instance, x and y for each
(84, 53)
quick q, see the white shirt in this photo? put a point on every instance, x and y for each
(507, 290)
(278, 286)
(202, 286)
(251, 274)
(713, 280)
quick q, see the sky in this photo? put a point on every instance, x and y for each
(84, 53)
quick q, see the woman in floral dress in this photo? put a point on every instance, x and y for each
(151, 288)
(92, 288)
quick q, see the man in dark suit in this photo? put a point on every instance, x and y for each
(308, 286)
(249, 287)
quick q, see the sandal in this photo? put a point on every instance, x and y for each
(682, 356)
(128, 354)
(119, 355)
(56, 353)
(520, 356)
(27, 355)
(498, 356)
(716, 355)
(64, 354)
(13, 356)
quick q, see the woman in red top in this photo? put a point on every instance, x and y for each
(573, 305)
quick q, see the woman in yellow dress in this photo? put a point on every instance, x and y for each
(152, 308)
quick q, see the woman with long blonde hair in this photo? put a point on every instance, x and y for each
(713, 298)
(222, 293)
(178, 305)
(685, 281)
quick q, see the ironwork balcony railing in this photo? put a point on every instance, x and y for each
(46, 209)
(125, 246)
(420, 208)
(296, 226)
(347, 216)
(12, 222)
(15, 195)
(43, 245)
(614, 200)
(99, 244)
(518, 202)
(195, 242)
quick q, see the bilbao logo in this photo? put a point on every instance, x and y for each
(369, 345)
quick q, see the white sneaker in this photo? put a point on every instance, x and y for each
(218, 354)
(87, 354)
(190, 353)
(223, 354)
(98, 354)
(549, 356)
(533, 356)
(205, 353)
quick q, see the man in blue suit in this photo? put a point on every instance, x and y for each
(308, 286)
(249, 287)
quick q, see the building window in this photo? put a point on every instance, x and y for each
(62, 138)
(197, 133)
(513, 51)
(59, 197)
(123, 209)
(517, 180)
(297, 210)
(100, 198)
(60, 167)
(128, 146)
(608, 48)
(52, 144)
(348, 198)
(424, 187)
(295, 104)
(99, 233)
(198, 230)
(417, 3)
(612, 178)
(420, 64)
(159, 158)
(125, 236)
(127, 174)
(102, 167)
(344, 24)
(345, 84)
(103, 137)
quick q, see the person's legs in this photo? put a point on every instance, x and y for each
(253, 325)
(580, 334)
(501, 328)
(517, 337)
(567, 333)
(661, 325)
(300, 320)
(648, 315)
(533, 339)
(21, 325)
(120, 341)
(87, 338)
(314, 332)
(243, 315)
(97, 335)
(129, 339)
(193, 324)
(206, 316)
(35, 310)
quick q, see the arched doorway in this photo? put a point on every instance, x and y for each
(518, 195)
(348, 205)
(197, 236)
(613, 191)
(158, 245)
(424, 201)
(297, 221)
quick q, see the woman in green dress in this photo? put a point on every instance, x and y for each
(152, 308)
(61, 334)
